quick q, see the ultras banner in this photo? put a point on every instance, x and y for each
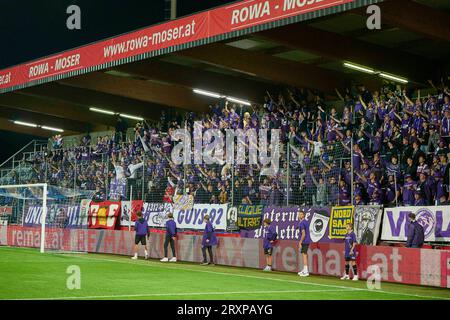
(367, 224)
(104, 215)
(434, 220)
(286, 223)
(400, 265)
(152, 41)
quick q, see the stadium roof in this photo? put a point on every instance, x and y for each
(305, 48)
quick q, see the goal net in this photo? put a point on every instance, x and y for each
(52, 218)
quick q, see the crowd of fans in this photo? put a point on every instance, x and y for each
(384, 147)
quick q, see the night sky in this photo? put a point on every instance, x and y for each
(31, 29)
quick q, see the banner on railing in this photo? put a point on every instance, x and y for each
(193, 218)
(232, 214)
(128, 212)
(117, 189)
(286, 221)
(155, 39)
(104, 215)
(79, 218)
(156, 213)
(58, 215)
(339, 218)
(367, 224)
(434, 220)
(249, 216)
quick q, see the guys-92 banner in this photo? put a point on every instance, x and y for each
(339, 218)
(249, 216)
(103, 215)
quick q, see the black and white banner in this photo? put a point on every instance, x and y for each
(367, 224)
(232, 214)
(318, 226)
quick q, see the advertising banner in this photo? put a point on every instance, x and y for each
(249, 217)
(156, 213)
(286, 223)
(60, 215)
(152, 40)
(128, 212)
(434, 220)
(367, 224)
(103, 215)
(193, 218)
(339, 218)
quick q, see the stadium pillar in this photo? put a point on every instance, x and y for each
(352, 172)
(395, 183)
(232, 181)
(75, 176)
(106, 178)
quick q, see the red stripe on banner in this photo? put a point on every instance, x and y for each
(199, 26)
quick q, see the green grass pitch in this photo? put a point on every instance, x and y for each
(27, 274)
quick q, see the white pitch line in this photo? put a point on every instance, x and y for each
(183, 294)
(160, 264)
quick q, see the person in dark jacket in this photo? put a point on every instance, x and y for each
(208, 241)
(269, 239)
(171, 234)
(416, 235)
(142, 234)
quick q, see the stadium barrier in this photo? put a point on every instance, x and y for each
(401, 265)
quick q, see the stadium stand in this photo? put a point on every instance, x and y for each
(400, 146)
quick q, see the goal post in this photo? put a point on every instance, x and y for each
(54, 215)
